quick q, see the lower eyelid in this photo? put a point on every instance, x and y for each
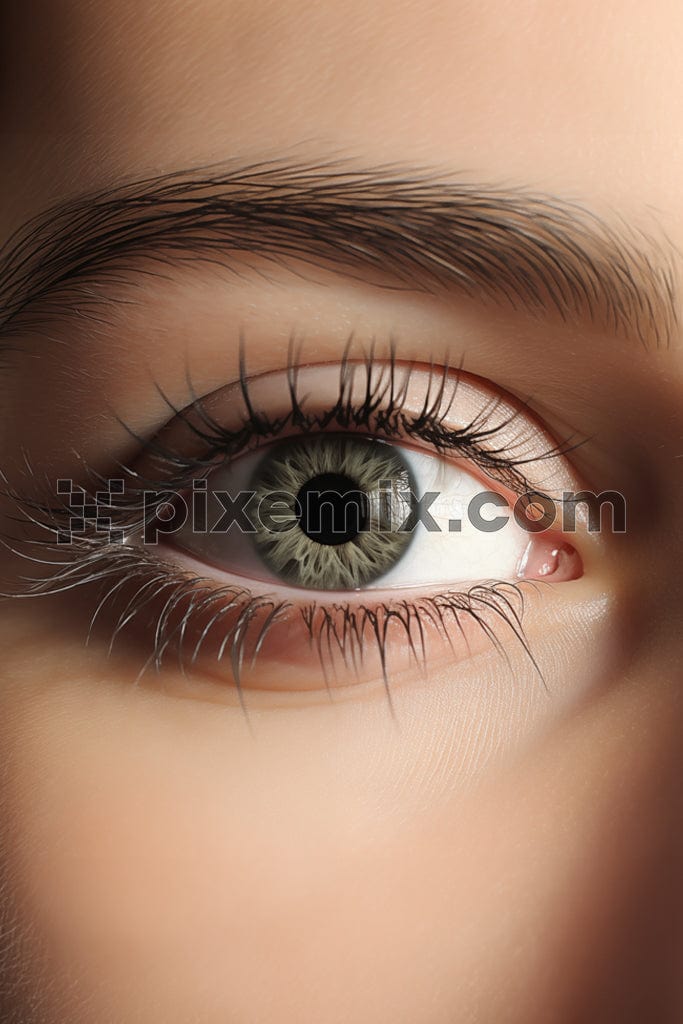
(246, 640)
(280, 638)
(353, 643)
(293, 640)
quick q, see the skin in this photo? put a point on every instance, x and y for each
(497, 851)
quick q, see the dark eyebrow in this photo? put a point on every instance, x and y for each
(532, 250)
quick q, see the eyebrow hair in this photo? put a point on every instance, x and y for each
(531, 250)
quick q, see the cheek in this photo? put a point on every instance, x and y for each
(166, 862)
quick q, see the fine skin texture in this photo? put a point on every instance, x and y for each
(490, 847)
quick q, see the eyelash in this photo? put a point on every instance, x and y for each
(379, 413)
(337, 629)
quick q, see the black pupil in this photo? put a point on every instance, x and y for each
(333, 509)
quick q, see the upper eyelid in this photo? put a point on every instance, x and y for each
(531, 249)
(505, 464)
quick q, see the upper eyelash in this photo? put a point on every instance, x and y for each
(379, 411)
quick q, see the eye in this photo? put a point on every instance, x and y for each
(336, 526)
(350, 513)
(321, 527)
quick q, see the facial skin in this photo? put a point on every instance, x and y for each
(497, 850)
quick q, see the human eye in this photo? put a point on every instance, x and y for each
(320, 527)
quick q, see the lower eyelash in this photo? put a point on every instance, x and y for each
(129, 581)
(342, 628)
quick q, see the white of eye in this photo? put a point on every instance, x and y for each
(444, 557)
(453, 555)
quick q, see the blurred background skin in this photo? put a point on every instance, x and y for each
(157, 866)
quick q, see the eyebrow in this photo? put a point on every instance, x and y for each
(532, 250)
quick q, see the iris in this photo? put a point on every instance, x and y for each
(343, 503)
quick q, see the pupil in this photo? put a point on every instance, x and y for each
(333, 509)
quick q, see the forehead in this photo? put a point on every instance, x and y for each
(583, 98)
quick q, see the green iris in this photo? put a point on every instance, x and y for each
(330, 510)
